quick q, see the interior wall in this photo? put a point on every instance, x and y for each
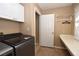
(8, 27)
(60, 15)
(29, 25)
(26, 27)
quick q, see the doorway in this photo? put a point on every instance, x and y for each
(46, 30)
(37, 29)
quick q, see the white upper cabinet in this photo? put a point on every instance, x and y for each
(4, 11)
(12, 11)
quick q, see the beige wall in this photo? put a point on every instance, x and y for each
(60, 14)
(28, 27)
(8, 27)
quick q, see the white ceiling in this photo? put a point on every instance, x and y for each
(45, 6)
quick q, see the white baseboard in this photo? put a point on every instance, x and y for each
(59, 47)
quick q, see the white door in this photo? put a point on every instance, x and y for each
(46, 30)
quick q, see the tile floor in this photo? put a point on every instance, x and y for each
(45, 51)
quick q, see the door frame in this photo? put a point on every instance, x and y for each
(36, 10)
(37, 20)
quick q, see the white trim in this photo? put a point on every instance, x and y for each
(59, 47)
(54, 47)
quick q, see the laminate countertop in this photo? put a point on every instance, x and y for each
(5, 49)
(71, 43)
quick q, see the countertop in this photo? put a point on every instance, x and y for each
(5, 49)
(71, 43)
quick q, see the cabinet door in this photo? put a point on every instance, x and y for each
(4, 11)
(16, 11)
(20, 13)
(12, 11)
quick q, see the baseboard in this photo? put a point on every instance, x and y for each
(59, 47)
(47, 46)
(55, 47)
